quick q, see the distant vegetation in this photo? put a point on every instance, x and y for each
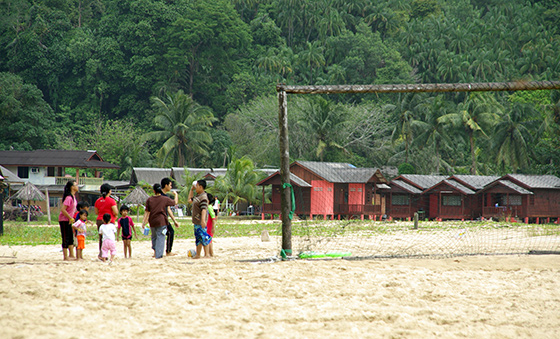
(192, 83)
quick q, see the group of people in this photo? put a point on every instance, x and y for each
(73, 220)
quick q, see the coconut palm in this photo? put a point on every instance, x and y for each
(323, 120)
(513, 135)
(239, 183)
(473, 117)
(184, 128)
(430, 132)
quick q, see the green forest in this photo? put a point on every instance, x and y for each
(192, 83)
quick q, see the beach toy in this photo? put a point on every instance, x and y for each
(146, 231)
(314, 255)
(191, 253)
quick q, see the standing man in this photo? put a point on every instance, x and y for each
(166, 187)
(200, 217)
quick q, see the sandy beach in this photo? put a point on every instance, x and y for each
(178, 297)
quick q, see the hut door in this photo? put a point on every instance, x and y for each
(434, 206)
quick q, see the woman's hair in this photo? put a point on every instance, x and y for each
(68, 189)
(106, 217)
(211, 198)
(157, 189)
(104, 189)
(124, 208)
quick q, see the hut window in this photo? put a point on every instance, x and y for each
(451, 200)
(50, 171)
(23, 172)
(400, 199)
(515, 200)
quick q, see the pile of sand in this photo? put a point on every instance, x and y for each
(177, 297)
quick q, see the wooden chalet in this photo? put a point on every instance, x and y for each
(456, 197)
(404, 196)
(532, 198)
(329, 189)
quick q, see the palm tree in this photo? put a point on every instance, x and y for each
(184, 128)
(513, 135)
(239, 183)
(324, 121)
(312, 57)
(405, 112)
(476, 115)
(430, 132)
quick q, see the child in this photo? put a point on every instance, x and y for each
(108, 230)
(82, 205)
(210, 225)
(125, 223)
(80, 228)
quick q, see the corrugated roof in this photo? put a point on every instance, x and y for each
(460, 187)
(424, 181)
(149, 175)
(536, 181)
(179, 173)
(514, 187)
(10, 177)
(476, 182)
(406, 186)
(338, 172)
(54, 158)
(294, 179)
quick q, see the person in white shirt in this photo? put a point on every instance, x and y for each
(108, 231)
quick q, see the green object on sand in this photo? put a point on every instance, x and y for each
(315, 255)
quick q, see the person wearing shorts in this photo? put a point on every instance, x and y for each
(126, 225)
(80, 227)
(200, 217)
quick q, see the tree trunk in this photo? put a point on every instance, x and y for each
(473, 155)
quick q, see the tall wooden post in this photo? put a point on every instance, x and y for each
(285, 172)
(48, 206)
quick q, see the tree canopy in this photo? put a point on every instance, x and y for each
(67, 68)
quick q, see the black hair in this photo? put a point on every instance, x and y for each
(202, 183)
(106, 217)
(124, 208)
(81, 205)
(83, 212)
(68, 189)
(211, 198)
(104, 189)
(165, 182)
(157, 189)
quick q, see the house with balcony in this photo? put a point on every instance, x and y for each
(49, 170)
(530, 198)
(405, 196)
(329, 190)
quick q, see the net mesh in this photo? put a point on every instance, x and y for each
(340, 192)
(370, 239)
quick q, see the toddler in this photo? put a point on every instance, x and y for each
(108, 231)
(80, 228)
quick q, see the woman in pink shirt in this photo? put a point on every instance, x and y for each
(103, 205)
(66, 219)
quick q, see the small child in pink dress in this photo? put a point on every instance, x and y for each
(108, 231)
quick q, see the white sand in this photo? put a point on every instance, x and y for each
(468, 297)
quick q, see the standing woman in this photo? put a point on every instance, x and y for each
(105, 204)
(65, 219)
(156, 215)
